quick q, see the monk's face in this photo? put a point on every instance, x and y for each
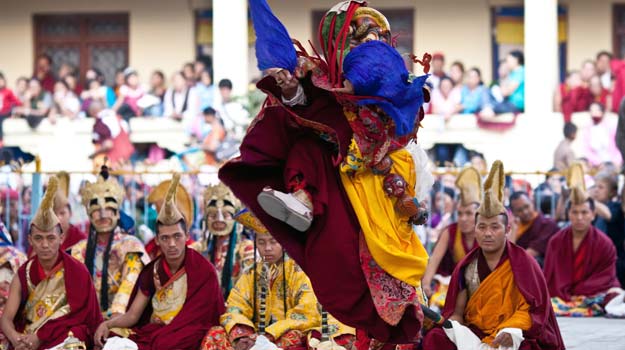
(523, 209)
(172, 241)
(270, 250)
(490, 233)
(45, 244)
(581, 216)
(466, 217)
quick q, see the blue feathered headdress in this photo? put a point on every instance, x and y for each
(274, 48)
(376, 69)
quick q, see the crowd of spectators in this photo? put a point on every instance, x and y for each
(460, 91)
(209, 113)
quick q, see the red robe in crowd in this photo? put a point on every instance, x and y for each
(449, 261)
(201, 310)
(85, 315)
(577, 99)
(589, 271)
(537, 235)
(544, 333)
(282, 142)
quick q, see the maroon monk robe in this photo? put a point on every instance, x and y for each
(282, 142)
(72, 236)
(544, 333)
(599, 265)
(85, 315)
(202, 308)
(537, 236)
(447, 265)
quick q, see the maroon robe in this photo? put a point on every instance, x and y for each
(72, 236)
(544, 333)
(599, 273)
(447, 265)
(202, 308)
(85, 315)
(282, 142)
(537, 236)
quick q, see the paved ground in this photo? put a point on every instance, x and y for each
(596, 333)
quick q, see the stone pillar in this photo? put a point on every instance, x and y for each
(230, 43)
(541, 56)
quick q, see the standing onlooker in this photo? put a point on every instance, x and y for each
(129, 95)
(234, 116)
(473, 95)
(212, 136)
(512, 89)
(599, 144)
(603, 69)
(610, 218)
(198, 67)
(205, 90)
(599, 93)
(37, 106)
(587, 71)
(43, 73)
(66, 104)
(157, 89)
(564, 156)
(446, 100)
(437, 72)
(21, 89)
(120, 79)
(188, 72)
(456, 73)
(110, 137)
(572, 96)
(181, 101)
(8, 101)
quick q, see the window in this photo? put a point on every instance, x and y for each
(84, 41)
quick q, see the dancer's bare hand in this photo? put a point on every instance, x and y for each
(285, 80)
(347, 88)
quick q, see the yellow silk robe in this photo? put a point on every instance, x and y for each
(302, 312)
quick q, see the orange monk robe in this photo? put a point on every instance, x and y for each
(514, 295)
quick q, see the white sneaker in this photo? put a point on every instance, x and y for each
(286, 207)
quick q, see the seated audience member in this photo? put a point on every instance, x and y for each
(533, 230)
(497, 296)
(473, 95)
(66, 104)
(512, 88)
(37, 106)
(457, 239)
(52, 293)
(572, 96)
(274, 302)
(177, 298)
(580, 261)
(599, 138)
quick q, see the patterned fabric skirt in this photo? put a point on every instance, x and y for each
(217, 339)
(579, 306)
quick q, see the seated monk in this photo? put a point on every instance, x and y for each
(580, 263)
(497, 295)
(274, 303)
(533, 230)
(52, 294)
(177, 297)
(456, 240)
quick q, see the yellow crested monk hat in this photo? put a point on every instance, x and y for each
(184, 202)
(577, 185)
(492, 205)
(62, 196)
(45, 219)
(469, 182)
(246, 218)
(169, 213)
